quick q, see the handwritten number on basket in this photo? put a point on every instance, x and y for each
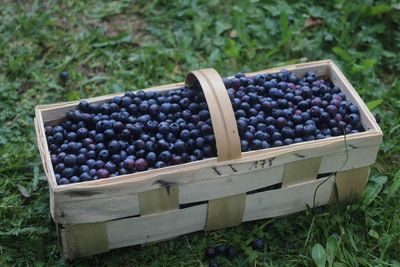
(261, 163)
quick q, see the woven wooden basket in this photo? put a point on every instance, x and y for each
(97, 216)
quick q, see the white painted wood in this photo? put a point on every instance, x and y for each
(150, 228)
(287, 200)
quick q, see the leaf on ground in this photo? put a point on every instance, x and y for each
(371, 192)
(319, 255)
(394, 187)
(343, 54)
(379, 179)
(23, 191)
(374, 104)
(332, 246)
(373, 234)
(380, 9)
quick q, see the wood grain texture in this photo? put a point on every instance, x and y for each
(156, 227)
(230, 179)
(150, 228)
(221, 111)
(226, 109)
(86, 239)
(159, 200)
(301, 171)
(287, 200)
(351, 183)
(225, 212)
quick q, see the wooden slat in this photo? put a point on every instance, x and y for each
(226, 109)
(301, 171)
(221, 111)
(357, 158)
(230, 185)
(86, 239)
(159, 200)
(225, 212)
(150, 228)
(351, 183)
(287, 200)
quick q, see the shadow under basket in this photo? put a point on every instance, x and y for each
(97, 216)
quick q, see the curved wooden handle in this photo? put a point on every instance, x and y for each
(222, 115)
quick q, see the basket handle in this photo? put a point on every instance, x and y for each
(221, 111)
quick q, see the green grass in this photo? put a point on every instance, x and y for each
(116, 46)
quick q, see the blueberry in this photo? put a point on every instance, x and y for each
(104, 155)
(64, 76)
(126, 101)
(103, 173)
(332, 110)
(174, 128)
(117, 100)
(81, 158)
(235, 83)
(110, 167)
(309, 130)
(258, 244)
(72, 136)
(220, 249)
(68, 172)
(200, 142)
(210, 253)
(288, 141)
(298, 140)
(276, 136)
(230, 252)
(74, 179)
(141, 164)
(151, 158)
(204, 115)
(63, 181)
(159, 164)
(209, 151)
(129, 164)
(58, 138)
(244, 145)
(353, 109)
(281, 122)
(353, 119)
(179, 147)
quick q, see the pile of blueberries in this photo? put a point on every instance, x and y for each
(144, 130)
(280, 109)
(131, 133)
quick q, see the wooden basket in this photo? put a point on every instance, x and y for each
(97, 216)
